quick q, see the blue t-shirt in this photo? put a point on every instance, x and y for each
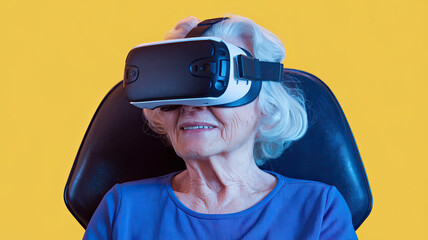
(294, 209)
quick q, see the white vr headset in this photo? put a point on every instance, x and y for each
(196, 71)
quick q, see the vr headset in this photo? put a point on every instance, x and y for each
(196, 71)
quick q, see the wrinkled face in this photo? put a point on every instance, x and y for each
(201, 132)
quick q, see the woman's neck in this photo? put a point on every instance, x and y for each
(222, 183)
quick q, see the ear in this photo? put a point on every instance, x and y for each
(247, 42)
(262, 115)
(259, 111)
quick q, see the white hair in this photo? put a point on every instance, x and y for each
(284, 117)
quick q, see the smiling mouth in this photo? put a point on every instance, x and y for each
(197, 127)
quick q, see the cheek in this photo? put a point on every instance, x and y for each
(170, 125)
(238, 124)
(230, 128)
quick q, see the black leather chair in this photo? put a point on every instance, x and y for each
(118, 147)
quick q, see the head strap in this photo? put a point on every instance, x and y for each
(203, 27)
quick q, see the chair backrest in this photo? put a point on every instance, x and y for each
(119, 146)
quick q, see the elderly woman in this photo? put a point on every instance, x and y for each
(223, 194)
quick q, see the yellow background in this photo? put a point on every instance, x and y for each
(59, 59)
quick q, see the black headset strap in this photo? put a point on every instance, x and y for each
(248, 67)
(203, 27)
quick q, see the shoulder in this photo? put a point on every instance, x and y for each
(313, 189)
(138, 188)
(145, 183)
(296, 186)
(307, 193)
(319, 203)
(134, 196)
(124, 203)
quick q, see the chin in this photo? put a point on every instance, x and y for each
(194, 152)
(193, 147)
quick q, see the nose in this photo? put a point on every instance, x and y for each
(187, 108)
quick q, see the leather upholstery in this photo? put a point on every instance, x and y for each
(118, 147)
